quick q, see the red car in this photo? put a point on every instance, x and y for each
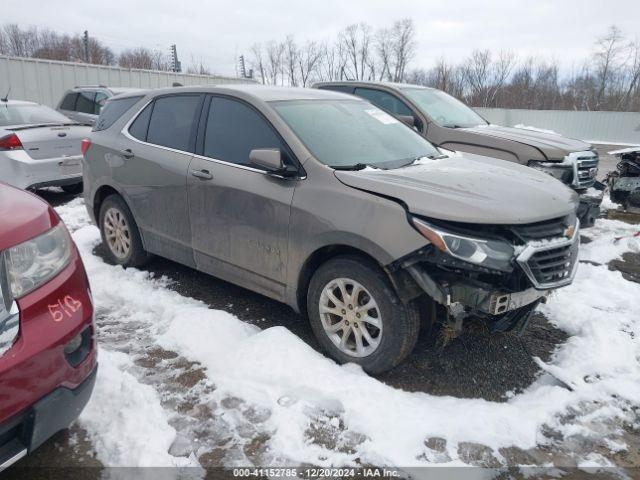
(47, 349)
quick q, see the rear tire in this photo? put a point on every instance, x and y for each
(73, 189)
(370, 309)
(120, 234)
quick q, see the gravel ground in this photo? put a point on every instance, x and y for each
(475, 365)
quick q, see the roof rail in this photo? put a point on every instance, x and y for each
(90, 86)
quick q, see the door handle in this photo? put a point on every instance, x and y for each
(202, 174)
(126, 153)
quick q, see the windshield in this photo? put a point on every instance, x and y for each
(443, 109)
(29, 115)
(343, 133)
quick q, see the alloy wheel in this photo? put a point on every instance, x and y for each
(117, 233)
(350, 317)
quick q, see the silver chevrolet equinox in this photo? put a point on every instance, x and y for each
(329, 204)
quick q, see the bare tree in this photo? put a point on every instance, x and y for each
(198, 67)
(308, 61)
(355, 40)
(48, 44)
(257, 62)
(609, 49)
(291, 59)
(384, 49)
(275, 62)
(403, 47)
(633, 86)
(17, 42)
(145, 59)
(332, 62)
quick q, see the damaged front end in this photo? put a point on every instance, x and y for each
(500, 278)
(624, 183)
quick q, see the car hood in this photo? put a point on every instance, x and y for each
(24, 216)
(554, 146)
(469, 188)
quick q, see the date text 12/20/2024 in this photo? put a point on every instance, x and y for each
(319, 472)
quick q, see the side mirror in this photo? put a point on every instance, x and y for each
(270, 159)
(409, 120)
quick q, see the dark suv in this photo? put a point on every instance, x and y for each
(449, 123)
(325, 202)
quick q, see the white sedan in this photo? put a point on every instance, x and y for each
(40, 147)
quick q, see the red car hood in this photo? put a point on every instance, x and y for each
(22, 216)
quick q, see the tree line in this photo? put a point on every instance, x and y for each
(47, 44)
(608, 79)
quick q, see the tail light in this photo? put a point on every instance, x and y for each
(10, 142)
(84, 146)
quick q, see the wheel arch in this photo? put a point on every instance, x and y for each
(319, 257)
(99, 197)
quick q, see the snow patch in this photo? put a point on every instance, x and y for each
(125, 421)
(296, 388)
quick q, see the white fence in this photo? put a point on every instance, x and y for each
(44, 81)
(603, 127)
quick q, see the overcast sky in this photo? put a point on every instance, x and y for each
(218, 31)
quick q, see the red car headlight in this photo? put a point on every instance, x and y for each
(36, 261)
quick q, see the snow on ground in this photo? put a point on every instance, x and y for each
(251, 396)
(122, 407)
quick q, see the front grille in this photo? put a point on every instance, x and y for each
(553, 228)
(585, 168)
(552, 266)
(550, 263)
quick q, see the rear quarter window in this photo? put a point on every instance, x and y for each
(140, 125)
(113, 110)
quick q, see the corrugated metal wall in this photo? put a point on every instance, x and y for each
(605, 127)
(44, 81)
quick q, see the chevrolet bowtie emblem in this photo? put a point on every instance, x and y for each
(569, 231)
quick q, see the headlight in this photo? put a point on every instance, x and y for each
(494, 254)
(562, 172)
(36, 261)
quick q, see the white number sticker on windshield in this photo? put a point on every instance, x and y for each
(381, 116)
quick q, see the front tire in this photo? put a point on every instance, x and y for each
(357, 317)
(120, 233)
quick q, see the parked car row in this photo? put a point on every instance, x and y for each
(371, 221)
(325, 202)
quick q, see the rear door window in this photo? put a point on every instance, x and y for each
(172, 121)
(113, 110)
(69, 102)
(234, 129)
(384, 100)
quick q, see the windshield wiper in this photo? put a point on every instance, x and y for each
(357, 166)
